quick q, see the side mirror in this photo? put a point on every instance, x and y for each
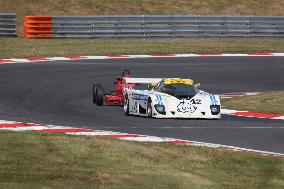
(197, 85)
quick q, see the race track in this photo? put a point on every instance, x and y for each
(61, 93)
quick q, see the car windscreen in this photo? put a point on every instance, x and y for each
(179, 90)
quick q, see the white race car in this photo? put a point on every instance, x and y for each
(170, 98)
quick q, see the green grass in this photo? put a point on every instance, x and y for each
(269, 102)
(21, 48)
(33, 160)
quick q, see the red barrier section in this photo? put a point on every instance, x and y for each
(38, 26)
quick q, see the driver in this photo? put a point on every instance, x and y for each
(169, 89)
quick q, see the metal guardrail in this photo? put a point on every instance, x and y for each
(156, 27)
(8, 24)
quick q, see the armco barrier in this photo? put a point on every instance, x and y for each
(8, 25)
(154, 27)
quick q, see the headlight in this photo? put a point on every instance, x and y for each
(160, 109)
(215, 109)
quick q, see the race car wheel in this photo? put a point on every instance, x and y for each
(149, 108)
(99, 97)
(95, 86)
(126, 105)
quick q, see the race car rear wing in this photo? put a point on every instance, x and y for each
(132, 80)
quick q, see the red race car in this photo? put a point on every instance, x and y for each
(115, 97)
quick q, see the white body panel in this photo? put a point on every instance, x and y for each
(140, 80)
(197, 107)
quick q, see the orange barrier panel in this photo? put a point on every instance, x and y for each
(38, 26)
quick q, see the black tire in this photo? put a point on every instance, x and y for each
(99, 97)
(149, 108)
(126, 105)
(95, 86)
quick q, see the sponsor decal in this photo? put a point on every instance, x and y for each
(126, 88)
(178, 80)
(159, 99)
(139, 97)
(188, 106)
(213, 99)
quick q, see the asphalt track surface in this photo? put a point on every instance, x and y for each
(60, 93)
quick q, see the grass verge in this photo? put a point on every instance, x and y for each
(35, 160)
(21, 48)
(24, 48)
(268, 102)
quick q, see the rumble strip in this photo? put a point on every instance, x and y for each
(32, 127)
